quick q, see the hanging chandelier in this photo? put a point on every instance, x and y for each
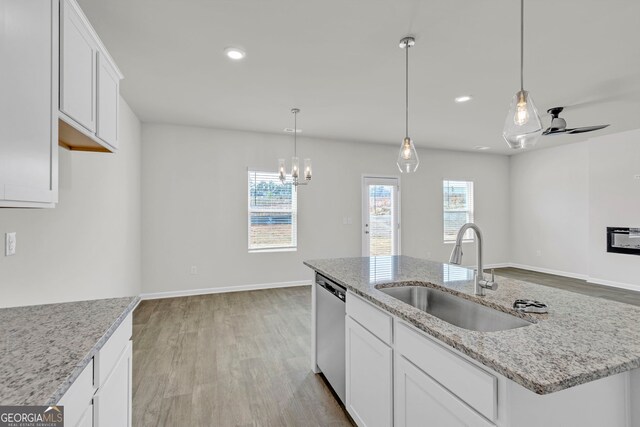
(408, 156)
(522, 127)
(295, 162)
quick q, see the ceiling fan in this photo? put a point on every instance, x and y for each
(559, 125)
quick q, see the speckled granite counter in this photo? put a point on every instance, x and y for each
(43, 348)
(581, 339)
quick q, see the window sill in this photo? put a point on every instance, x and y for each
(268, 250)
(453, 242)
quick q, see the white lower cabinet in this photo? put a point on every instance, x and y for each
(421, 402)
(369, 382)
(113, 399)
(101, 395)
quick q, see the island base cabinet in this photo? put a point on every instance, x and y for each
(112, 402)
(369, 384)
(421, 402)
(604, 402)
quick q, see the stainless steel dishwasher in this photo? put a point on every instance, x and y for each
(330, 330)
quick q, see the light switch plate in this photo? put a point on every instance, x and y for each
(10, 244)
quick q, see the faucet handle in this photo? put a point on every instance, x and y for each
(489, 284)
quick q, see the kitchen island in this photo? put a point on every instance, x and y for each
(587, 346)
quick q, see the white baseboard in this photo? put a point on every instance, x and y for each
(498, 265)
(613, 284)
(550, 271)
(585, 277)
(220, 290)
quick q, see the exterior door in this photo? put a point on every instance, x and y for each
(380, 216)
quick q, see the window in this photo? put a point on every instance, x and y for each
(273, 216)
(458, 208)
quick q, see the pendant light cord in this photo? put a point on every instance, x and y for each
(521, 45)
(406, 91)
(295, 134)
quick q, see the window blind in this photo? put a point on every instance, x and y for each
(458, 208)
(273, 216)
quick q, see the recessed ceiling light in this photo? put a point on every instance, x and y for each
(482, 147)
(292, 130)
(463, 98)
(235, 53)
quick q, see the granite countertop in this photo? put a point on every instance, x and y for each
(44, 348)
(581, 339)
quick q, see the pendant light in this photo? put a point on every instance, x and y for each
(522, 127)
(408, 156)
(295, 162)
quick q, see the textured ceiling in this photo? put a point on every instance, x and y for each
(340, 63)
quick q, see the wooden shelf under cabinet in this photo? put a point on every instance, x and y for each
(73, 139)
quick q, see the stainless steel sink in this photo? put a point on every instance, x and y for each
(455, 310)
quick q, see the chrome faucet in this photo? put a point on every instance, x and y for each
(480, 284)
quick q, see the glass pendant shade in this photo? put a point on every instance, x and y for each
(281, 170)
(295, 167)
(307, 169)
(522, 127)
(408, 157)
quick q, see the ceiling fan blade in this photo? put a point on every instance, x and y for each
(586, 129)
(551, 132)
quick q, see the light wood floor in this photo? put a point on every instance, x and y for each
(573, 285)
(234, 359)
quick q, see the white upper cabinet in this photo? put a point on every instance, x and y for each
(108, 95)
(89, 85)
(28, 103)
(78, 51)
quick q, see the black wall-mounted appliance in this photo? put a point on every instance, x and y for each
(623, 240)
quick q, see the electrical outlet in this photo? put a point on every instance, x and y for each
(636, 176)
(10, 244)
(349, 220)
(538, 252)
(194, 269)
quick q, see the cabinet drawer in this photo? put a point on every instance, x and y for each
(375, 320)
(420, 398)
(109, 354)
(78, 398)
(476, 387)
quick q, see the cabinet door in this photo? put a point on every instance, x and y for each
(77, 67)
(422, 402)
(369, 366)
(28, 103)
(112, 402)
(108, 90)
(87, 418)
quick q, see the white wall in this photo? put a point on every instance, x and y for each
(562, 200)
(549, 209)
(614, 200)
(195, 204)
(88, 247)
